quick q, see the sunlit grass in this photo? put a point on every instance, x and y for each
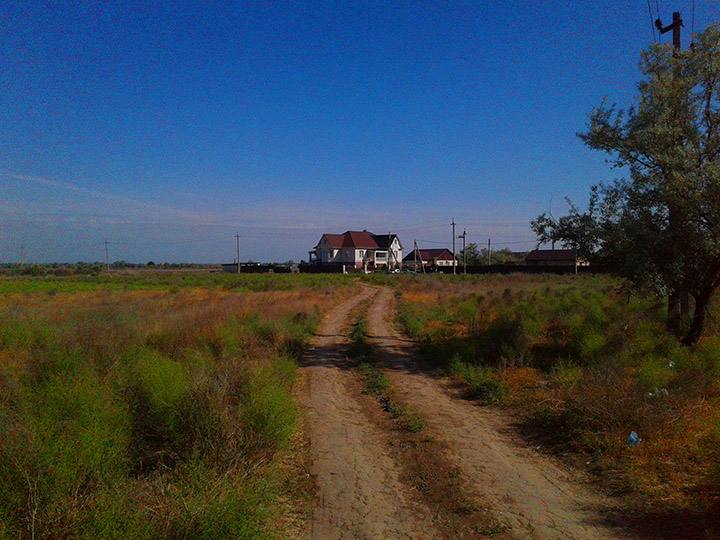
(149, 412)
(585, 364)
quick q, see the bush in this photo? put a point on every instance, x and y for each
(268, 409)
(482, 382)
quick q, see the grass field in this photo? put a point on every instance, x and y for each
(585, 364)
(151, 406)
(159, 405)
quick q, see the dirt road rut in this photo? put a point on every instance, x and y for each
(528, 492)
(358, 492)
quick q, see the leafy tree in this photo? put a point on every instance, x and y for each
(471, 255)
(661, 228)
(477, 257)
(498, 256)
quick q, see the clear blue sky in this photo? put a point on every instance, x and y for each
(167, 127)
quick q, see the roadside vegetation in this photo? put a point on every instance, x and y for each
(155, 408)
(585, 364)
(377, 383)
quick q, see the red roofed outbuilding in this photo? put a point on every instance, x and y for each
(433, 258)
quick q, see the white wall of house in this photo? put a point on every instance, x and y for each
(396, 254)
(358, 257)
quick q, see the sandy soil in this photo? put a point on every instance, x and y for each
(358, 491)
(531, 493)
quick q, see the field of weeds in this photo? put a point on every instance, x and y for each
(585, 365)
(155, 407)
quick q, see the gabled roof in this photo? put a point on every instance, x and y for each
(443, 254)
(384, 241)
(351, 239)
(551, 255)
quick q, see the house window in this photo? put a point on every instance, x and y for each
(361, 253)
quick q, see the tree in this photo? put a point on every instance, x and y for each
(661, 228)
(498, 256)
(477, 257)
(471, 255)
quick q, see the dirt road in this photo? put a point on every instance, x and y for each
(528, 491)
(359, 488)
(358, 491)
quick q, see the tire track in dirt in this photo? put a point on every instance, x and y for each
(528, 491)
(358, 491)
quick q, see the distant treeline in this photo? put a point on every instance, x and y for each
(90, 268)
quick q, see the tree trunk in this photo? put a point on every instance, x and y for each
(673, 314)
(702, 302)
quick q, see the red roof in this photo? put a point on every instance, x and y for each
(442, 254)
(356, 239)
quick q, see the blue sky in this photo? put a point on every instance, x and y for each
(168, 127)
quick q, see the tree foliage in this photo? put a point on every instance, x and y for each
(476, 257)
(661, 227)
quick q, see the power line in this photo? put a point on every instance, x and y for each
(652, 23)
(692, 25)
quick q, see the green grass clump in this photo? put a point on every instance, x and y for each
(482, 381)
(268, 409)
(147, 414)
(376, 382)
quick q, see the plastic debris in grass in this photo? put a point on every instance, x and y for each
(658, 393)
(633, 439)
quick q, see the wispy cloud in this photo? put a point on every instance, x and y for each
(87, 204)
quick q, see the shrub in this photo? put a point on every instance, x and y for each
(268, 409)
(482, 381)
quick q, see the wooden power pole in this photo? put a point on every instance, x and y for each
(107, 256)
(237, 237)
(22, 254)
(463, 235)
(674, 26)
(678, 301)
(453, 236)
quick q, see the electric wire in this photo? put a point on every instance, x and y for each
(692, 25)
(652, 23)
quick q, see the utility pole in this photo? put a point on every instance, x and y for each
(463, 235)
(678, 301)
(416, 251)
(237, 237)
(107, 257)
(453, 235)
(489, 252)
(415, 254)
(674, 26)
(22, 254)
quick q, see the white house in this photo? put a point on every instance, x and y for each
(358, 249)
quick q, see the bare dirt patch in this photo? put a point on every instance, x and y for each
(432, 480)
(358, 489)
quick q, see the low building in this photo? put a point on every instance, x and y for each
(430, 258)
(358, 249)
